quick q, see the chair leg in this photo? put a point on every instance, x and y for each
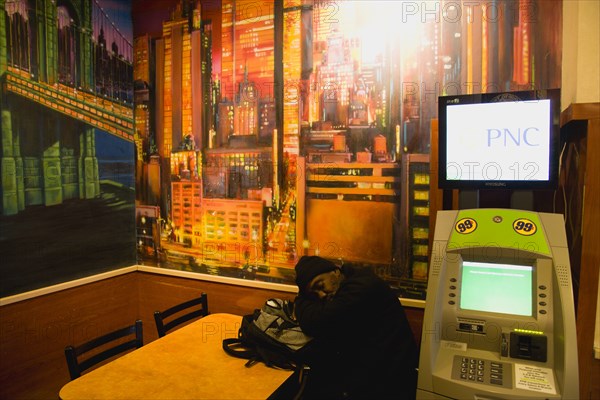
(302, 379)
(72, 362)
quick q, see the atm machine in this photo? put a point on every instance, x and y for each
(499, 317)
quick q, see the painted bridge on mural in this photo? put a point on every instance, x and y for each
(69, 66)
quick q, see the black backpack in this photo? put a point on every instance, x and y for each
(270, 335)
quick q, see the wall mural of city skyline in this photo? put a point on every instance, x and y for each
(67, 150)
(230, 137)
(268, 130)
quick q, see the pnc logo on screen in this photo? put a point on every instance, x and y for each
(505, 137)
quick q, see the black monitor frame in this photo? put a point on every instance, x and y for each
(445, 101)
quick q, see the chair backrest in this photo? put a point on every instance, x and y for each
(73, 353)
(199, 308)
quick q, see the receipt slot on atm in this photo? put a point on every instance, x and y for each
(499, 317)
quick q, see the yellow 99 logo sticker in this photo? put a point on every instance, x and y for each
(465, 225)
(524, 226)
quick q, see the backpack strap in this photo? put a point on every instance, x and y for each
(235, 348)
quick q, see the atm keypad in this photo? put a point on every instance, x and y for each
(472, 369)
(477, 370)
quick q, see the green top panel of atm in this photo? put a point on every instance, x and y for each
(503, 228)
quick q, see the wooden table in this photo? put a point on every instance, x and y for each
(188, 363)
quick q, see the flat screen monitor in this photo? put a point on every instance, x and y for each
(497, 288)
(499, 140)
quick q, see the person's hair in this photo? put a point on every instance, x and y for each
(308, 267)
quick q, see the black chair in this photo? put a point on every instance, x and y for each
(199, 304)
(73, 353)
(293, 387)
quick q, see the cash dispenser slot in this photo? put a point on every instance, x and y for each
(528, 346)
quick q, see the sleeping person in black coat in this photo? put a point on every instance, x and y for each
(366, 349)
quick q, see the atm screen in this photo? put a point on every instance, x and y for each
(498, 288)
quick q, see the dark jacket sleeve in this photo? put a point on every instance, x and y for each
(319, 318)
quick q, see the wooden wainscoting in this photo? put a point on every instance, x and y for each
(159, 292)
(34, 332)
